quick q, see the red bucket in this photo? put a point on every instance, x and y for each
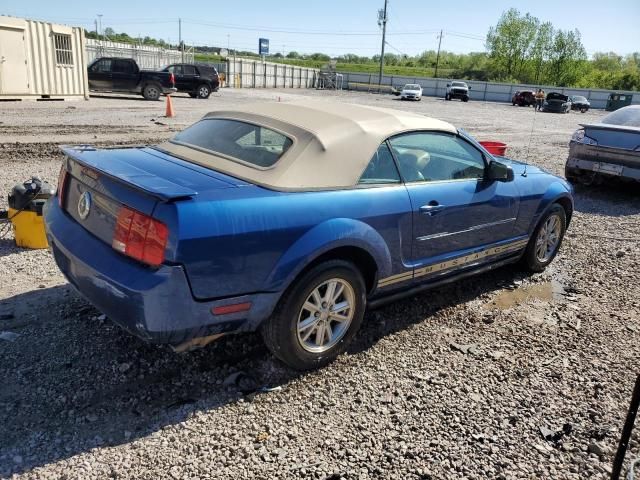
(495, 148)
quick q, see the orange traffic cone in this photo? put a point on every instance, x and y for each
(169, 113)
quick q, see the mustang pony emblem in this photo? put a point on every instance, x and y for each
(84, 205)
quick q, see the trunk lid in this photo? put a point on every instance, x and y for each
(139, 178)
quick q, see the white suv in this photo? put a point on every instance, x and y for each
(411, 91)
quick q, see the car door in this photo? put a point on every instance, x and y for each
(178, 76)
(455, 208)
(189, 77)
(100, 77)
(125, 75)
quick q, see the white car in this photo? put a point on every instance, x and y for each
(411, 91)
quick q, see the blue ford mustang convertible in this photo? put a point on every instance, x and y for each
(292, 218)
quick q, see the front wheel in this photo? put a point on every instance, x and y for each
(465, 99)
(546, 239)
(583, 109)
(318, 316)
(151, 92)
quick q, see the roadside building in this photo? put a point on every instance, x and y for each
(41, 60)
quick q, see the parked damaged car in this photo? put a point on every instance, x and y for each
(556, 103)
(524, 98)
(578, 102)
(268, 217)
(608, 149)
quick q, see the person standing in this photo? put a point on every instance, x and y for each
(539, 99)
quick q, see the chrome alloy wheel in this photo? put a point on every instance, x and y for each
(326, 315)
(548, 238)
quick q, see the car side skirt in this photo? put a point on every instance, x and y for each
(469, 260)
(381, 301)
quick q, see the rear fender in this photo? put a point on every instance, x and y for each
(324, 237)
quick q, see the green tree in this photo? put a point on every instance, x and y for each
(541, 49)
(566, 61)
(510, 42)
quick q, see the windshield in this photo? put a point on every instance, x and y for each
(578, 98)
(627, 116)
(253, 144)
(412, 87)
(458, 84)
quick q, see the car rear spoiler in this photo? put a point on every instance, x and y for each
(160, 188)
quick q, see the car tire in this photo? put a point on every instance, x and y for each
(465, 99)
(539, 252)
(203, 91)
(300, 347)
(583, 110)
(152, 91)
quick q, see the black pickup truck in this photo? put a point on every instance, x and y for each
(109, 74)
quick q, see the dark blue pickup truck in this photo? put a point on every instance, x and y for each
(108, 74)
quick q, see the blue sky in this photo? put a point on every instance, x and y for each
(338, 27)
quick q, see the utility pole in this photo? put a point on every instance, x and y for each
(382, 20)
(96, 24)
(100, 24)
(180, 39)
(438, 55)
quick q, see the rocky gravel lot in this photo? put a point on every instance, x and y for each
(504, 376)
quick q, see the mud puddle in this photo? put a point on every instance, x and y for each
(546, 292)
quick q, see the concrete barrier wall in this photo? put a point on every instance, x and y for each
(244, 73)
(484, 91)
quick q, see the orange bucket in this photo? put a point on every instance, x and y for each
(495, 148)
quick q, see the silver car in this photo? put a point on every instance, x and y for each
(607, 149)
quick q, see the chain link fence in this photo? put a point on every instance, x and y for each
(146, 56)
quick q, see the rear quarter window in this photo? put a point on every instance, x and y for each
(252, 144)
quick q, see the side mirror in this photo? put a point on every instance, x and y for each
(499, 172)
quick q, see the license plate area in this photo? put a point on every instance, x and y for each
(608, 168)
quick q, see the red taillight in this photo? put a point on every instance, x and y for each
(140, 236)
(62, 180)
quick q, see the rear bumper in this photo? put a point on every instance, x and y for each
(577, 166)
(153, 304)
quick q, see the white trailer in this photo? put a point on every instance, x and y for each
(41, 60)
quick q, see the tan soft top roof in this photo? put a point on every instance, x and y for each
(332, 142)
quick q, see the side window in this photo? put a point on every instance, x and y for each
(177, 70)
(381, 168)
(188, 70)
(103, 65)
(436, 156)
(123, 66)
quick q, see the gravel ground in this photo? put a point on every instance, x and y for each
(454, 383)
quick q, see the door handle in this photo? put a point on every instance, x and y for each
(431, 209)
